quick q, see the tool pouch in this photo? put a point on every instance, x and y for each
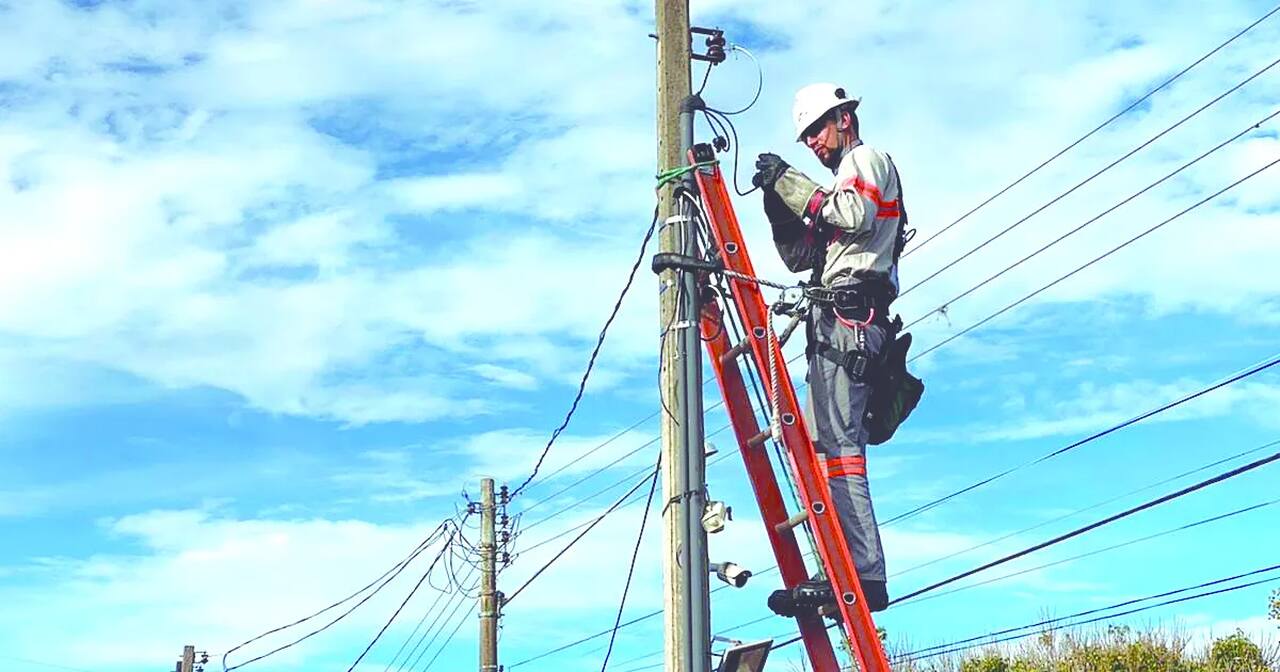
(894, 391)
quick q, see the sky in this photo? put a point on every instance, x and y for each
(279, 281)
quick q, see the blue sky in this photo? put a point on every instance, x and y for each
(280, 279)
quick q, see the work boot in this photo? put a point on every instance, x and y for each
(815, 595)
(807, 597)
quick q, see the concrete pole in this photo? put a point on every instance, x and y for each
(687, 635)
(488, 580)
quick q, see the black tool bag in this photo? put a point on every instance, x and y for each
(894, 391)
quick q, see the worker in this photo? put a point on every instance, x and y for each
(849, 234)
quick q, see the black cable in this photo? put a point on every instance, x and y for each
(1086, 136)
(759, 81)
(948, 303)
(1084, 509)
(1093, 261)
(458, 595)
(589, 453)
(1059, 619)
(1092, 526)
(982, 640)
(431, 609)
(1254, 370)
(1104, 549)
(706, 75)
(635, 553)
(1089, 179)
(714, 113)
(633, 621)
(588, 477)
(396, 613)
(591, 361)
(576, 539)
(386, 578)
(448, 639)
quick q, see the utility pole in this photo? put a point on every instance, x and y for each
(488, 580)
(188, 662)
(687, 639)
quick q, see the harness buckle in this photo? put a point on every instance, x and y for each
(855, 363)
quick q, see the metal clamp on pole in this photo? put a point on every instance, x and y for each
(668, 261)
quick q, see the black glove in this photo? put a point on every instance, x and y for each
(787, 227)
(769, 167)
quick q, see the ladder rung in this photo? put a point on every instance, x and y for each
(759, 439)
(792, 522)
(734, 352)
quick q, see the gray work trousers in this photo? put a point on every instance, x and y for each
(835, 409)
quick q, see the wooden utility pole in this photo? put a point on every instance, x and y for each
(188, 662)
(488, 580)
(687, 622)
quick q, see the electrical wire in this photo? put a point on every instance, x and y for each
(1093, 261)
(452, 634)
(1089, 179)
(1098, 551)
(591, 361)
(1084, 509)
(380, 583)
(635, 553)
(431, 609)
(1092, 526)
(396, 613)
(456, 598)
(1039, 626)
(759, 80)
(576, 539)
(1251, 371)
(947, 304)
(1099, 127)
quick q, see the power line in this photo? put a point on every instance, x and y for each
(386, 578)
(1254, 370)
(425, 633)
(1089, 179)
(946, 304)
(576, 539)
(456, 598)
(1094, 525)
(635, 553)
(448, 639)
(408, 597)
(1084, 509)
(1086, 136)
(1039, 624)
(1095, 260)
(981, 640)
(1104, 549)
(591, 361)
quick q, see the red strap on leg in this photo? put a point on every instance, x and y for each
(852, 465)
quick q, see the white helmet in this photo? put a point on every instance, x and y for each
(815, 100)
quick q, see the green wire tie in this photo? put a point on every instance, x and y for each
(671, 175)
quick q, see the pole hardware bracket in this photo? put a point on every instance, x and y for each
(668, 261)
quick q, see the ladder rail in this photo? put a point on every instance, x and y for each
(815, 493)
(763, 480)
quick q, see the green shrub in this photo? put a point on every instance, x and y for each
(1236, 653)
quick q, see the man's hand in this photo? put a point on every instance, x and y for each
(769, 167)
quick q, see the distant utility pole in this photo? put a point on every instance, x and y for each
(488, 580)
(687, 639)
